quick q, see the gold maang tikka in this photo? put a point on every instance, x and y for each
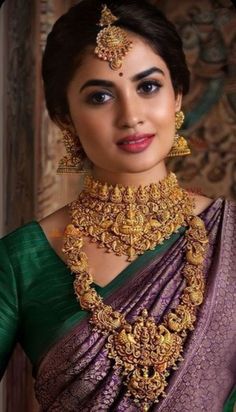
(112, 42)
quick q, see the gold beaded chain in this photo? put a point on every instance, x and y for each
(143, 352)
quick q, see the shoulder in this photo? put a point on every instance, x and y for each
(56, 220)
(28, 241)
(23, 246)
(54, 226)
(201, 202)
(227, 206)
(18, 236)
(13, 248)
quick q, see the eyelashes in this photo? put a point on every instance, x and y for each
(99, 98)
(149, 87)
(146, 88)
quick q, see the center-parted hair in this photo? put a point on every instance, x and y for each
(77, 30)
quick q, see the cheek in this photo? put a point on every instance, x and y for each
(163, 109)
(163, 117)
(90, 121)
(93, 133)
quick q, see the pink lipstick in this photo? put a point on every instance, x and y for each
(135, 143)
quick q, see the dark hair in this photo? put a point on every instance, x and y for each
(77, 29)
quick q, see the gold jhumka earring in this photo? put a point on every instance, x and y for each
(73, 162)
(180, 146)
(112, 42)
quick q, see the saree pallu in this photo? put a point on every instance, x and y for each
(76, 373)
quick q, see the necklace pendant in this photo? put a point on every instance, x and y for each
(144, 351)
(129, 223)
(145, 386)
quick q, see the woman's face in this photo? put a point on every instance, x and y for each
(125, 119)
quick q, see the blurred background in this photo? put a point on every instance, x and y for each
(30, 145)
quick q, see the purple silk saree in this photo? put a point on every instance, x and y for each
(76, 374)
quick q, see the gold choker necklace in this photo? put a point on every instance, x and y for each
(128, 220)
(143, 352)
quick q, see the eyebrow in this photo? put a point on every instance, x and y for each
(107, 83)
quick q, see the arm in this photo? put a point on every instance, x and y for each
(8, 309)
(230, 405)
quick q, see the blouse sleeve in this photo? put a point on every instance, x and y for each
(8, 309)
(230, 404)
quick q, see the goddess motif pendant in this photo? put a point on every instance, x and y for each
(143, 351)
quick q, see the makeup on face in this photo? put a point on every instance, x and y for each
(136, 143)
(110, 84)
(126, 124)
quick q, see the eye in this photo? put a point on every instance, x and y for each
(149, 87)
(99, 98)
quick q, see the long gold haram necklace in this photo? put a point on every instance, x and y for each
(129, 221)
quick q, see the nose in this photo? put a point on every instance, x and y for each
(130, 113)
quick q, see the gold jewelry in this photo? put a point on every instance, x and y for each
(73, 162)
(112, 42)
(144, 351)
(180, 146)
(128, 220)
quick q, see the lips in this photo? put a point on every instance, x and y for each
(135, 143)
(135, 138)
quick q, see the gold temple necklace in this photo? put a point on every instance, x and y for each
(129, 220)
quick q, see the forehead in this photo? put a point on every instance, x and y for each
(140, 58)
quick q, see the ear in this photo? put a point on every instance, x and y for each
(65, 123)
(178, 101)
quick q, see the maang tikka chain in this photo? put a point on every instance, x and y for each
(112, 41)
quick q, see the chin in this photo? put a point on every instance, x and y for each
(143, 164)
(137, 168)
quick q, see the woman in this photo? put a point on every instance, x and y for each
(104, 334)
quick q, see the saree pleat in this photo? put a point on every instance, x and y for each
(77, 375)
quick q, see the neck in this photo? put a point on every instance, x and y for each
(144, 178)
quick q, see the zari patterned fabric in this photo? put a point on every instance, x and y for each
(73, 372)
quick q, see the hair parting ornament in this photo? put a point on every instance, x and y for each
(112, 42)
